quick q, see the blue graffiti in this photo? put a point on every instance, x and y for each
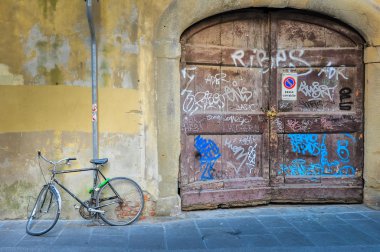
(326, 165)
(209, 154)
(308, 144)
(298, 167)
(305, 143)
(342, 151)
(346, 170)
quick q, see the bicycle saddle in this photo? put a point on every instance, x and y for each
(99, 161)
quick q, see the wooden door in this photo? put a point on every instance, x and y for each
(224, 93)
(317, 136)
(245, 138)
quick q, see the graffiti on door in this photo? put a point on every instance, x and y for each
(208, 154)
(315, 145)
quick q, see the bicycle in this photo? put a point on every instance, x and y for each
(117, 201)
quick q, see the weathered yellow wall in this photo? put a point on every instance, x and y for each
(45, 88)
(41, 108)
(372, 128)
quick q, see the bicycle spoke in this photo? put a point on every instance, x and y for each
(129, 205)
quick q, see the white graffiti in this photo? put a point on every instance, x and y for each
(213, 99)
(317, 91)
(242, 128)
(299, 126)
(258, 56)
(247, 107)
(214, 117)
(277, 122)
(246, 157)
(186, 75)
(217, 79)
(237, 94)
(231, 119)
(294, 57)
(326, 124)
(202, 100)
(247, 140)
(333, 72)
(251, 158)
(208, 100)
(192, 125)
(238, 119)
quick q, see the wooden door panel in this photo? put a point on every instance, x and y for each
(322, 90)
(201, 54)
(320, 154)
(224, 96)
(314, 57)
(243, 141)
(295, 33)
(243, 90)
(200, 98)
(242, 156)
(202, 157)
(319, 133)
(244, 30)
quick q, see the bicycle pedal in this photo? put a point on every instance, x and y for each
(76, 206)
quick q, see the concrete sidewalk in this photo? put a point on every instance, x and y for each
(266, 228)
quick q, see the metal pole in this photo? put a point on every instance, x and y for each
(94, 67)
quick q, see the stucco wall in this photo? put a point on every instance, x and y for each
(45, 83)
(45, 80)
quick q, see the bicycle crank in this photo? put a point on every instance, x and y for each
(85, 213)
(92, 210)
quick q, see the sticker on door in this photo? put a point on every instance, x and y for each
(289, 87)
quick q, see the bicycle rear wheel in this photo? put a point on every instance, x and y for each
(45, 212)
(122, 201)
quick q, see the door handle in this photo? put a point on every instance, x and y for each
(272, 113)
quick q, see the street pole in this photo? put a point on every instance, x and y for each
(94, 75)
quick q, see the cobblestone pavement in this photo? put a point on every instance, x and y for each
(265, 228)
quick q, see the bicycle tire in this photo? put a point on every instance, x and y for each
(45, 212)
(123, 210)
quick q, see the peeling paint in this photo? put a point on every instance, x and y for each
(14, 197)
(46, 55)
(7, 78)
(48, 7)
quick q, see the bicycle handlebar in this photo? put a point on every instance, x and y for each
(55, 162)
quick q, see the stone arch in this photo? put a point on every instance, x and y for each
(180, 15)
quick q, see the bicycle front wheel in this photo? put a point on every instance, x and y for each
(45, 212)
(122, 201)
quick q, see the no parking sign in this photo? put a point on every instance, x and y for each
(289, 86)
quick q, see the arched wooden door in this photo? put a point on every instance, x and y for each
(272, 110)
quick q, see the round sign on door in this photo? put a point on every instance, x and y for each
(289, 87)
